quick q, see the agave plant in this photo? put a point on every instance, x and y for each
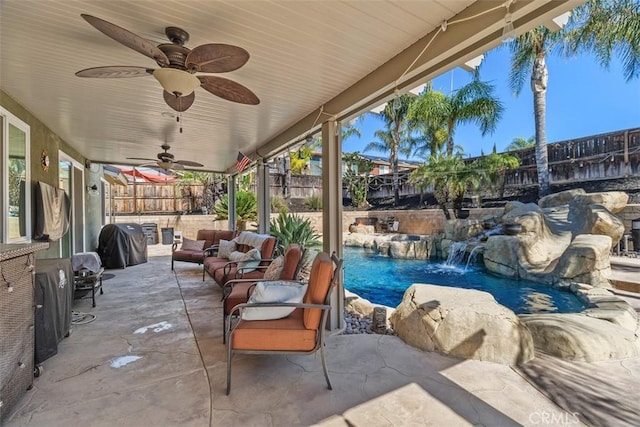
(246, 207)
(291, 228)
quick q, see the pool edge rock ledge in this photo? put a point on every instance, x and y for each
(464, 323)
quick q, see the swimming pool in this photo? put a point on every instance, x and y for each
(383, 280)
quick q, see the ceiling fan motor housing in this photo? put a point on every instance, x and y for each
(176, 54)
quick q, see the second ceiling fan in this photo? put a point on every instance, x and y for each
(167, 161)
(178, 65)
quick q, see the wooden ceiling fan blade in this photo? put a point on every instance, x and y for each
(141, 158)
(189, 163)
(179, 103)
(229, 90)
(128, 39)
(177, 166)
(116, 71)
(216, 58)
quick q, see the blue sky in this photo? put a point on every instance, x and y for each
(582, 99)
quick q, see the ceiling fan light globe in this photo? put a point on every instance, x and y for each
(165, 165)
(177, 82)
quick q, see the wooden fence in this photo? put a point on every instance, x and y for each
(606, 156)
(156, 198)
(598, 157)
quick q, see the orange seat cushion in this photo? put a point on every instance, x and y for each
(213, 263)
(288, 334)
(188, 255)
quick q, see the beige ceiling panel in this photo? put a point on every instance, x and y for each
(303, 54)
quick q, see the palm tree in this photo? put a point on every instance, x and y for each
(449, 177)
(430, 123)
(492, 169)
(299, 159)
(396, 138)
(472, 103)
(601, 26)
(519, 143)
(529, 51)
(605, 27)
(209, 182)
(356, 177)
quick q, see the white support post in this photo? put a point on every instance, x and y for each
(264, 200)
(231, 194)
(332, 211)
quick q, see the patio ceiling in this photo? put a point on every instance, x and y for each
(342, 56)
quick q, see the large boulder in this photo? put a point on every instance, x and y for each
(395, 245)
(461, 322)
(561, 198)
(360, 240)
(501, 255)
(595, 219)
(577, 336)
(462, 229)
(531, 253)
(586, 260)
(613, 201)
(568, 236)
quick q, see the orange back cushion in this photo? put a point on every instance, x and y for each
(223, 235)
(267, 248)
(291, 260)
(318, 289)
(207, 236)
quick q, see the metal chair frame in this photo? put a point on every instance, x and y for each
(320, 338)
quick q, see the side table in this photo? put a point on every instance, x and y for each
(86, 280)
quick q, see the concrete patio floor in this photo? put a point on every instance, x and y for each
(154, 357)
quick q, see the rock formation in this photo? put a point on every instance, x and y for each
(461, 322)
(566, 236)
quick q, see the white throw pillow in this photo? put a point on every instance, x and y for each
(273, 292)
(225, 247)
(274, 270)
(248, 261)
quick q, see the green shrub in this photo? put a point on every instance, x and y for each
(290, 228)
(278, 204)
(246, 206)
(314, 203)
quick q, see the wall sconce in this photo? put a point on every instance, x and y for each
(92, 190)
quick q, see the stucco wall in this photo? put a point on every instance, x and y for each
(43, 138)
(424, 221)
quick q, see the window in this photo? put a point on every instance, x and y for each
(16, 179)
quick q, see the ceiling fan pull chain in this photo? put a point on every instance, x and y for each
(179, 116)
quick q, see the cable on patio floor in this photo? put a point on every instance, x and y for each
(80, 318)
(206, 372)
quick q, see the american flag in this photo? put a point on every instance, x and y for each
(242, 162)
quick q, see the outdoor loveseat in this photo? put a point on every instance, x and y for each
(193, 250)
(245, 256)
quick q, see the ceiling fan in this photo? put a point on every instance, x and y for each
(166, 160)
(178, 65)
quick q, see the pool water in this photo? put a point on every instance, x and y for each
(383, 280)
